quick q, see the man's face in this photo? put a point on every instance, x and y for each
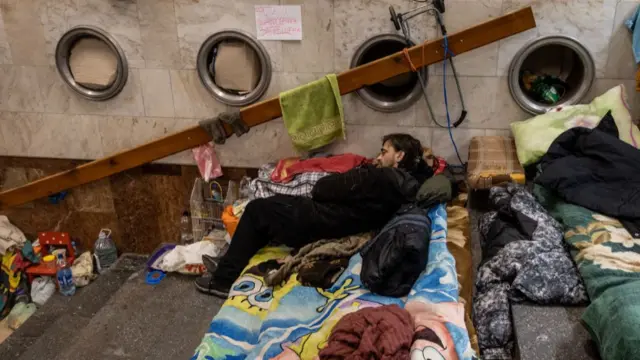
(388, 156)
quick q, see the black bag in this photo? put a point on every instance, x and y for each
(393, 260)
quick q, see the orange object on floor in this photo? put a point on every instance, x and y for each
(46, 239)
(229, 220)
(638, 80)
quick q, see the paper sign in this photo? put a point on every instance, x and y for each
(279, 22)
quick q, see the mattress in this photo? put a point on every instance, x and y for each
(294, 321)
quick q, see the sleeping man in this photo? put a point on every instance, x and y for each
(362, 199)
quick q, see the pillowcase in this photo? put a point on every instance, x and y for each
(534, 136)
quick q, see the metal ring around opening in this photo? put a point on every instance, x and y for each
(63, 50)
(221, 94)
(371, 99)
(584, 82)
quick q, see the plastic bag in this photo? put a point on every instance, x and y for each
(232, 193)
(82, 270)
(207, 161)
(245, 190)
(41, 289)
(188, 259)
(19, 314)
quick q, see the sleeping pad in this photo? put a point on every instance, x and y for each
(292, 321)
(523, 259)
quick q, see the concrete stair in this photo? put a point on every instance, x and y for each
(118, 316)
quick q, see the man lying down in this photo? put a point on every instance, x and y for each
(362, 199)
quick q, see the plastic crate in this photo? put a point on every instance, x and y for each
(206, 211)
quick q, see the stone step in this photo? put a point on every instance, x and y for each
(141, 321)
(44, 333)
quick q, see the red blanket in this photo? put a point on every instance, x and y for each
(290, 167)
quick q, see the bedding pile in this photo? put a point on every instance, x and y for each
(292, 321)
(384, 332)
(296, 177)
(533, 137)
(590, 181)
(523, 259)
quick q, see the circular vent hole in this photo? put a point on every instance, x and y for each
(91, 62)
(394, 94)
(234, 67)
(549, 72)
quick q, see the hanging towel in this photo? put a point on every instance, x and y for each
(313, 113)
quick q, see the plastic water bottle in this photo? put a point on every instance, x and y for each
(186, 231)
(64, 276)
(105, 251)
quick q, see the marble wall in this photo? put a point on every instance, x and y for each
(41, 117)
(142, 206)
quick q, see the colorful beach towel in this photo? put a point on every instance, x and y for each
(294, 321)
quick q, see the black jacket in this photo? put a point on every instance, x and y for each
(393, 260)
(593, 168)
(390, 186)
(362, 199)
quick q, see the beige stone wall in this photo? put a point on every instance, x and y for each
(41, 117)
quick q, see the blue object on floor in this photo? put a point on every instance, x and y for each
(154, 277)
(635, 31)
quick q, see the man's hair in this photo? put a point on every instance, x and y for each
(412, 161)
(409, 145)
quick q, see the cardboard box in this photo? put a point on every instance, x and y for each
(236, 67)
(93, 64)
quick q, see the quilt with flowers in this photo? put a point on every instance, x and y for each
(608, 259)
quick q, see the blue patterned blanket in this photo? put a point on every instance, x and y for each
(294, 321)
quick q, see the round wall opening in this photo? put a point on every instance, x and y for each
(394, 94)
(551, 71)
(234, 67)
(91, 62)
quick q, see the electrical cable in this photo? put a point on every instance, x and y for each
(449, 53)
(406, 30)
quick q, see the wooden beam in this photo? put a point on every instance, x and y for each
(256, 114)
(421, 55)
(99, 169)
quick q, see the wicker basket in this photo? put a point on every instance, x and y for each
(206, 211)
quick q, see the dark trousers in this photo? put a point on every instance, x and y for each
(274, 219)
(293, 221)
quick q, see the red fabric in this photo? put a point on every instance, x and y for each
(439, 164)
(282, 168)
(384, 333)
(288, 168)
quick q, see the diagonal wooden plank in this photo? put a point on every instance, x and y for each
(264, 111)
(421, 55)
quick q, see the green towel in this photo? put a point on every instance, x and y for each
(313, 113)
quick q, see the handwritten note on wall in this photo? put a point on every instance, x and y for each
(279, 22)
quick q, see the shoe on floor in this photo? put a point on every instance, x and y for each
(210, 263)
(206, 284)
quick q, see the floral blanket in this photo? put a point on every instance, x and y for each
(608, 259)
(294, 321)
